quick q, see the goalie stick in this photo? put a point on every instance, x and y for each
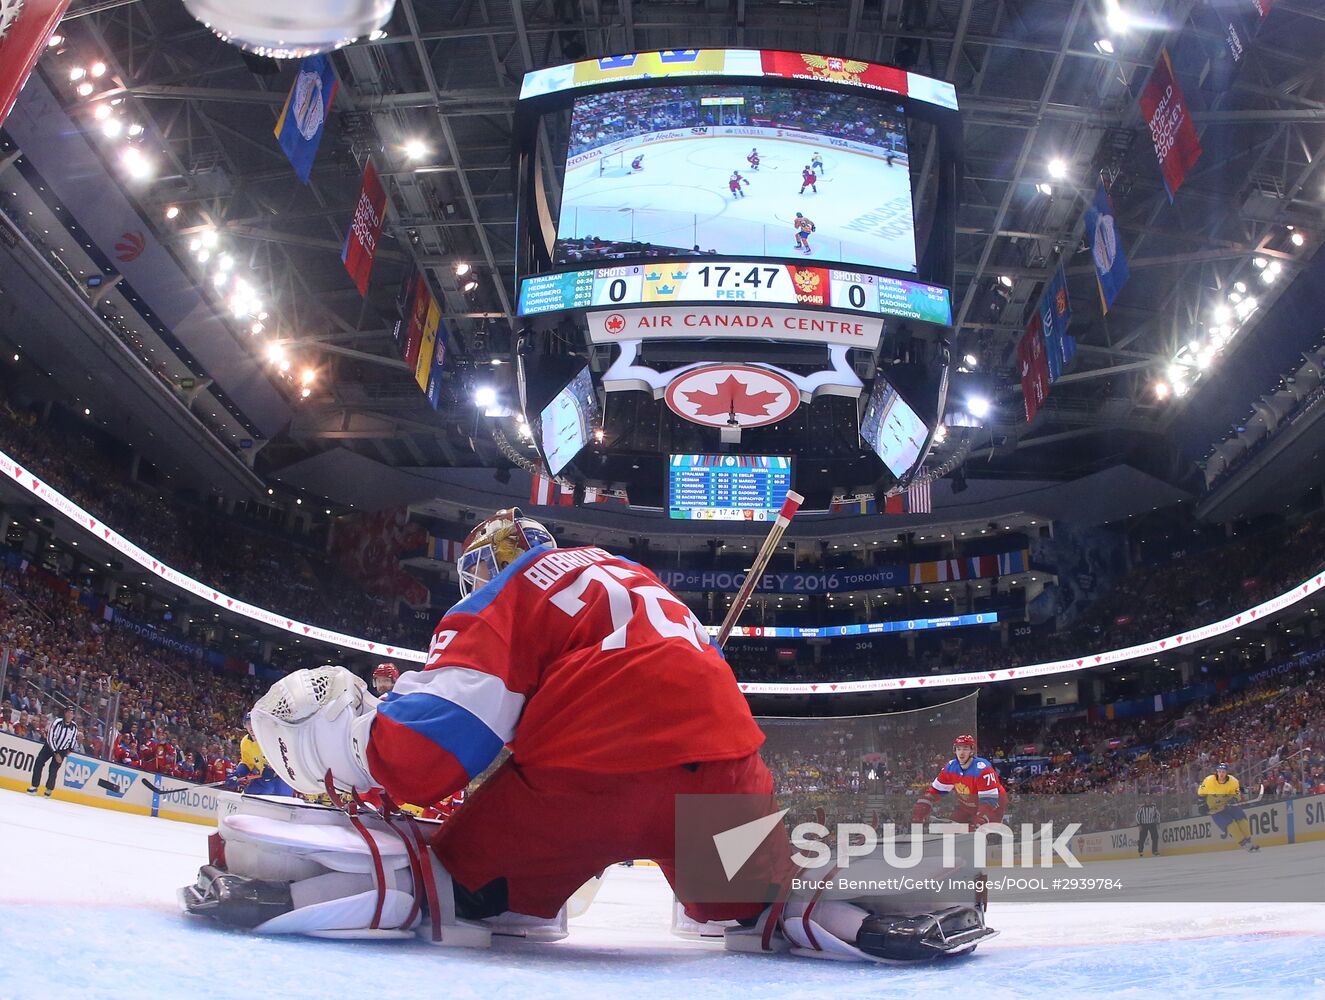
(789, 508)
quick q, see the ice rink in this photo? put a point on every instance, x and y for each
(862, 209)
(87, 903)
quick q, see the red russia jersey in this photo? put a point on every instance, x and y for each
(977, 783)
(218, 769)
(125, 750)
(165, 757)
(576, 659)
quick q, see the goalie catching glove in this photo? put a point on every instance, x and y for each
(314, 721)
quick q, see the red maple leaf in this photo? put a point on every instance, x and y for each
(732, 396)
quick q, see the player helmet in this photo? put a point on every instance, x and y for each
(388, 669)
(964, 741)
(1221, 766)
(496, 543)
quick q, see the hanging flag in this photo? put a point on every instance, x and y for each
(547, 492)
(917, 495)
(595, 494)
(444, 549)
(365, 229)
(1106, 247)
(23, 33)
(1177, 146)
(894, 503)
(414, 313)
(438, 363)
(1055, 314)
(863, 503)
(299, 127)
(1034, 367)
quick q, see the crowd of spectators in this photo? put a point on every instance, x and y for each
(135, 703)
(273, 569)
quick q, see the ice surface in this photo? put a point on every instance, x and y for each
(87, 910)
(862, 209)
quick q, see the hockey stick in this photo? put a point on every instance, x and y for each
(157, 790)
(789, 508)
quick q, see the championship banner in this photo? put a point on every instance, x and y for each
(434, 389)
(23, 34)
(1055, 314)
(1106, 248)
(415, 319)
(304, 116)
(365, 229)
(1177, 146)
(427, 344)
(1034, 367)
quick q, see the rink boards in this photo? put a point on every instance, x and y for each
(79, 782)
(1292, 821)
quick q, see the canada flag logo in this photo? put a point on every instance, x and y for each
(733, 396)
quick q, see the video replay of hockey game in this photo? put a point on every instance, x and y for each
(737, 170)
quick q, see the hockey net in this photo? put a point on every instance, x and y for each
(862, 768)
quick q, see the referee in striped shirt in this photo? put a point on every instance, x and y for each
(1147, 821)
(60, 739)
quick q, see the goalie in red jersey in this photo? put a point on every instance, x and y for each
(612, 700)
(981, 797)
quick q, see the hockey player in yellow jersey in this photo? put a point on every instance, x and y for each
(1219, 794)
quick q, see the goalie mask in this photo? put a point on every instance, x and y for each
(496, 543)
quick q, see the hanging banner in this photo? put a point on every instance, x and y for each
(1055, 314)
(428, 344)
(438, 361)
(23, 33)
(1106, 248)
(1177, 146)
(1034, 367)
(299, 127)
(365, 229)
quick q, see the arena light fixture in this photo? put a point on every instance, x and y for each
(1058, 168)
(98, 69)
(1044, 188)
(978, 407)
(1297, 239)
(1104, 46)
(485, 396)
(85, 89)
(1118, 20)
(461, 269)
(971, 360)
(111, 128)
(76, 74)
(135, 130)
(55, 40)
(138, 165)
(1259, 263)
(172, 212)
(308, 376)
(1005, 280)
(1222, 313)
(101, 112)
(275, 353)
(415, 149)
(470, 285)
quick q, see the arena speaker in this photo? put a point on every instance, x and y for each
(290, 30)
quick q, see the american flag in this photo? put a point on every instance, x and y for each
(917, 495)
(547, 492)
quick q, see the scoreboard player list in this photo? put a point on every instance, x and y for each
(727, 487)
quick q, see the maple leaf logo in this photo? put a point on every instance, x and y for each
(614, 323)
(731, 396)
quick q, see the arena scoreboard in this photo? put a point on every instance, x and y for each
(727, 487)
(734, 282)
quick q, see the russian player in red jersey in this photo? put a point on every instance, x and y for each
(612, 701)
(385, 676)
(981, 797)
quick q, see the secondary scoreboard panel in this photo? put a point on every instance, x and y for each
(727, 487)
(737, 283)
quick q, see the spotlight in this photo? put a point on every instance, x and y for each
(461, 269)
(225, 262)
(85, 89)
(98, 69)
(978, 407)
(1297, 239)
(101, 112)
(598, 435)
(284, 366)
(219, 279)
(55, 40)
(305, 392)
(135, 130)
(1240, 287)
(1058, 168)
(172, 212)
(485, 396)
(1104, 46)
(1005, 280)
(1259, 263)
(203, 256)
(209, 238)
(76, 74)
(971, 360)
(256, 328)
(87, 412)
(308, 376)
(275, 353)
(415, 149)
(138, 165)
(111, 128)
(470, 285)
(1117, 19)
(1044, 188)
(1223, 313)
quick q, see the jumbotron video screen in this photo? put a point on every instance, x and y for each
(737, 170)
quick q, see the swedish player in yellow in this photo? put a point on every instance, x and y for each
(1219, 796)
